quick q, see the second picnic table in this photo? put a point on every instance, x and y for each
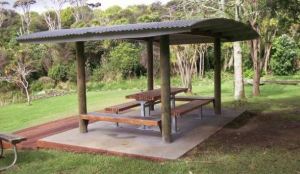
(147, 97)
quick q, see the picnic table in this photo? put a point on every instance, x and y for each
(151, 96)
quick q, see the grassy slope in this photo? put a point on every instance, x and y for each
(212, 159)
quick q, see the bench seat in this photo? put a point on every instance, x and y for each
(13, 140)
(128, 119)
(192, 98)
(188, 107)
(125, 106)
(122, 107)
(180, 110)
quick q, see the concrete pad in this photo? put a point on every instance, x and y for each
(128, 140)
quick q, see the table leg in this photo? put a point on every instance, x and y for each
(143, 109)
(201, 112)
(1, 149)
(14, 161)
(174, 125)
(173, 101)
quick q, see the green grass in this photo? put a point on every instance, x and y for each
(18, 116)
(251, 160)
(45, 110)
(213, 157)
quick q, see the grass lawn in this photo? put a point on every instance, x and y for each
(19, 116)
(268, 141)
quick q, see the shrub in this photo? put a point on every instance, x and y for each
(48, 83)
(36, 86)
(284, 54)
(59, 72)
(124, 61)
(42, 84)
(97, 75)
(72, 73)
(248, 73)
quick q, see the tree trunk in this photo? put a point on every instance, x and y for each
(268, 48)
(28, 96)
(256, 66)
(239, 92)
(256, 80)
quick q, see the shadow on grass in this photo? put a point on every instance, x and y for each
(267, 124)
(240, 121)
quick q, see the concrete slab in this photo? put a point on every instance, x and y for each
(128, 140)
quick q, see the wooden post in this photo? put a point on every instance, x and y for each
(165, 88)
(150, 67)
(217, 75)
(81, 88)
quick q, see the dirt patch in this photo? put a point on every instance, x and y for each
(255, 130)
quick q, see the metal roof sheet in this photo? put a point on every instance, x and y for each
(180, 32)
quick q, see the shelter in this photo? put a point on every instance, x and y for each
(168, 33)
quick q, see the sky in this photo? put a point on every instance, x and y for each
(42, 5)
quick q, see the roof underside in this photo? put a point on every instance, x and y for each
(180, 32)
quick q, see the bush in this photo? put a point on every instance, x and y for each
(59, 72)
(123, 60)
(42, 84)
(36, 86)
(72, 73)
(284, 54)
(248, 73)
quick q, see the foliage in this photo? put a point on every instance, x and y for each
(19, 71)
(105, 58)
(59, 72)
(123, 59)
(72, 73)
(42, 84)
(284, 54)
(67, 18)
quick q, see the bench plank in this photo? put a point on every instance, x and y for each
(122, 107)
(192, 98)
(188, 107)
(134, 120)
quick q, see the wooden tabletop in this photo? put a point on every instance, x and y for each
(153, 95)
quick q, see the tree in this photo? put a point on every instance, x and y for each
(187, 55)
(81, 10)
(54, 21)
(2, 12)
(255, 12)
(186, 59)
(268, 30)
(202, 50)
(239, 91)
(284, 54)
(18, 73)
(25, 17)
(50, 20)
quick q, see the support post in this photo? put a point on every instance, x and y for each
(150, 82)
(81, 88)
(217, 75)
(165, 89)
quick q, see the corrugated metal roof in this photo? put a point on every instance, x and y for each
(182, 31)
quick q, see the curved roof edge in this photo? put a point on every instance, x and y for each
(180, 32)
